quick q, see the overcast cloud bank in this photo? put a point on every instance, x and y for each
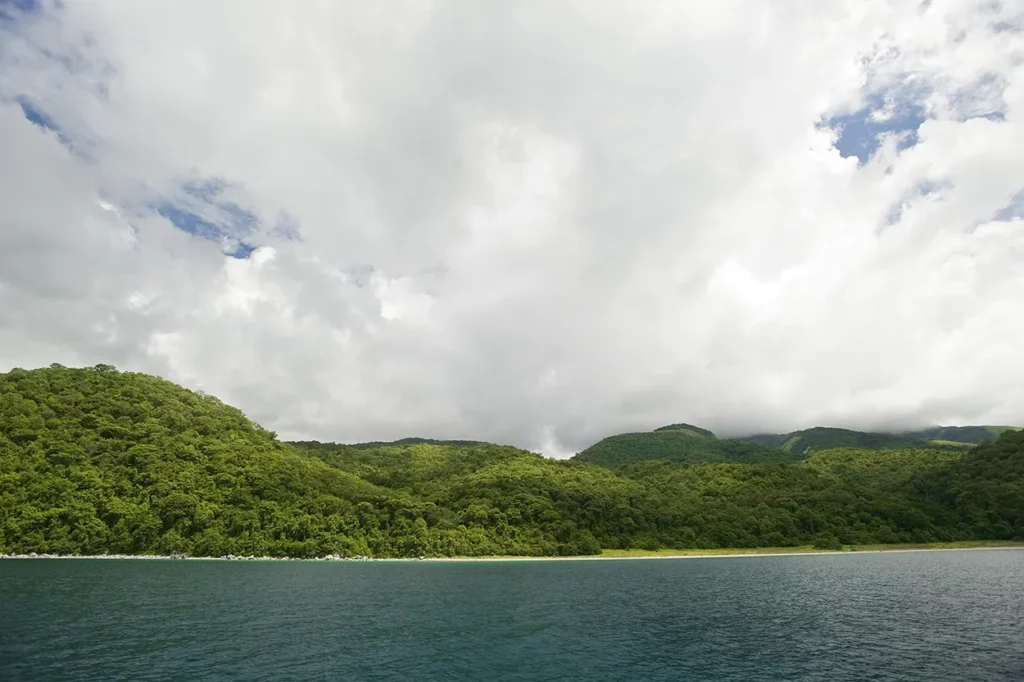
(530, 223)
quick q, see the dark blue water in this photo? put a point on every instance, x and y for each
(899, 616)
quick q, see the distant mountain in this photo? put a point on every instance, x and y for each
(681, 443)
(687, 428)
(821, 438)
(371, 445)
(961, 434)
(825, 438)
(689, 444)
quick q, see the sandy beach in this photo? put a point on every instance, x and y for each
(609, 556)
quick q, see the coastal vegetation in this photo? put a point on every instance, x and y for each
(96, 461)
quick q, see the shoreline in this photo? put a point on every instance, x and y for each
(610, 555)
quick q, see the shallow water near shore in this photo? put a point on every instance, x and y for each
(936, 616)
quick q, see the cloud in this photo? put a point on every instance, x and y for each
(537, 224)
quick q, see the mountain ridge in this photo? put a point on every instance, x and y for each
(702, 445)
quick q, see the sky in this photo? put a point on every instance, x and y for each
(534, 223)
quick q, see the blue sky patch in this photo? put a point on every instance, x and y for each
(243, 221)
(238, 221)
(860, 133)
(190, 222)
(203, 209)
(1014, 209)
(38, 117)
(12, 10)
(924, 190)
(242, 251)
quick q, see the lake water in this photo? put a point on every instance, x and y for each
(931, 616)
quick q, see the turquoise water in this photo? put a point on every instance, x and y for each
(932, 616)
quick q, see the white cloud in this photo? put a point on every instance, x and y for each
(536, 224)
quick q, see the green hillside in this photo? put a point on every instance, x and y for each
(688, 428)
(686, 443)
(678, 445)
(95, 460)
(824, 438)
(372, 445)
(973, 435)
(98, 461)
(983, 489)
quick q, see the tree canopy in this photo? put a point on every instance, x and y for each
(825, 438)
(679, 445)
(98, 461)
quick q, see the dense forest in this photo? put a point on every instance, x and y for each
(682, 446)
(98, 461)
(824, 438)
(686, 443)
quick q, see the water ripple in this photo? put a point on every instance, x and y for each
(932, 617)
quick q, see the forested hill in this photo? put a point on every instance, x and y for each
(824, 438)
(974, 435)
(99, 461)
(685, 444)
(315, 444)
(94, 460)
